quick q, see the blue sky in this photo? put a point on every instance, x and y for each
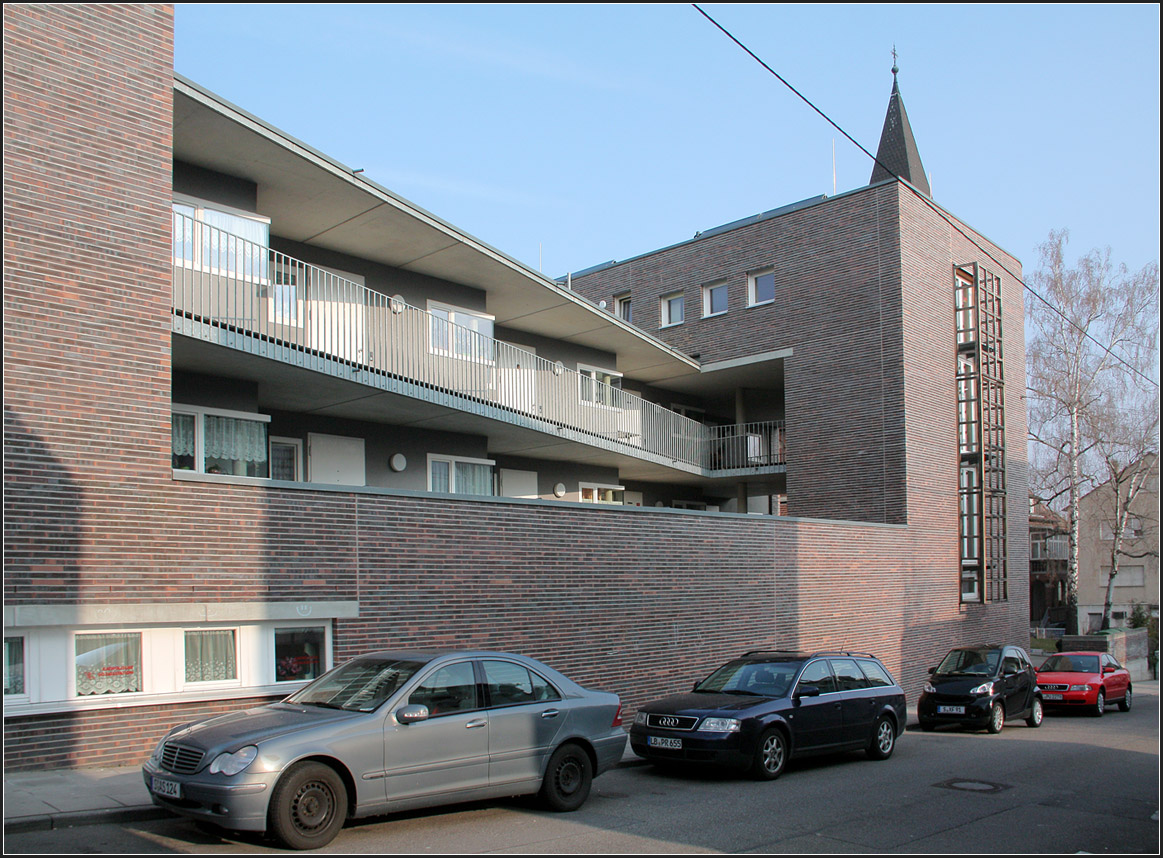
(566, 136)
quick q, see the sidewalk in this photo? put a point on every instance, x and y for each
(39, 801)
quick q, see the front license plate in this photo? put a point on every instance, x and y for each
(950, 710)
(663, 742)
(1052, 696)
(168, 789)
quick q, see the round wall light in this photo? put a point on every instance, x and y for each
(398, 462)
(559, 490)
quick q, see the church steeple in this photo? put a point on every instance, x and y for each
(898, 150)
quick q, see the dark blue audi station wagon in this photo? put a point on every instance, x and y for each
(762, 709)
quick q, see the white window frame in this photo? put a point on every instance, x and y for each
(1123, 579)
(195, 262)
(751, 278)
(665, 307)
(624, 308)
(199, 413)
(708, 291)
(452, 461)
(296, 443)
(23, 696)
(450, 350)
(163, 671)
(592, 373)
(581, 488)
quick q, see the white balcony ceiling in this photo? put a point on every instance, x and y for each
(316, 201)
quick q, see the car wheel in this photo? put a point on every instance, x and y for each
(1125, 703)
(883, 739)
(1036, 713)
(567, 779)
(308, 806)
(997, 718)
(1099, 704)
(770, 756)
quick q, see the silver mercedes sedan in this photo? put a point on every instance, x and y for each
(390, 731)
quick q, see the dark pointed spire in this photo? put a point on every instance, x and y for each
(898, 150)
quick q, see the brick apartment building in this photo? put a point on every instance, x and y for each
(262, 415)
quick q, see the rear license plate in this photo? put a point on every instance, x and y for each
(950, 710)
(1052, 696)
(663, 742)
(168, 789)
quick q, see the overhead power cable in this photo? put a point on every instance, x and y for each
(925, 200)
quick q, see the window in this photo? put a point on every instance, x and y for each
(1132, 530)
(624, 308)
(688, 504)
(596, 493)
(459, 476)
(286, 300)
(672, 309)
(715, 299)
(598, 386)
(848, 675)
(457, 332)
(512, 684)
(819, 674)
(212, 237)
(108, 663)
(760, 288)
(298, 654)
(211, 655)
(13, 665)
(212, 441)
(286, 459)
(447, 690)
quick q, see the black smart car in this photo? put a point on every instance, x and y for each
(760, 710)
(981, 686)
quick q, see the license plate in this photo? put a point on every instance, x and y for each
(168, 789)
(663, 742)
(1052, 696)
(950, 710)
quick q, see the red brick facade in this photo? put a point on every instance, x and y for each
(639, 602)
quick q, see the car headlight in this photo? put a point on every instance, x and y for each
(1080, 688)
(232, 764)
(157, 752)
(984, 688)
(719, 725)
(929, 688)
(640, 718)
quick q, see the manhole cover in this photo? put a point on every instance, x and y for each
(969, 785)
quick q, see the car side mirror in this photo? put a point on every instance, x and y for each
(807, 691)
(932, 670)
(412, 713)
(1108, 669)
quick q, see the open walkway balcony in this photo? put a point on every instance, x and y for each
(243, 295)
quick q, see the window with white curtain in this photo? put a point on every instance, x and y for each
(214, 441)
(213, 237)
(598, 386)
(460, 333)
(108, 663)
(13, 665)
(211, 655)
(460, 476)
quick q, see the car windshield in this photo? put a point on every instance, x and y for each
(358, 686)
(758, 678)
(970, 662)
(1071, 664)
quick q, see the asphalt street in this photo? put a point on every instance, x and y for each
(1078, 784)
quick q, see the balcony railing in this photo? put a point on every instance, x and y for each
(248, 296)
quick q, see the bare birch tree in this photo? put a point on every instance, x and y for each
(1093, 340)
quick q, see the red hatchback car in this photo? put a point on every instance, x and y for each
(1091, 679)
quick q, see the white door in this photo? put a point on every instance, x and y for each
(335, 460)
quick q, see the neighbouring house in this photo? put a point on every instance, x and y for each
(1137, 582)
(262, 414)
(1049, 553)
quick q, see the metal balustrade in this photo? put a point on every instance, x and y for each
(245, 295)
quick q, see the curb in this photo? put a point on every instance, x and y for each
(77, 818)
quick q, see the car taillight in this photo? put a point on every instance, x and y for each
(618, 717)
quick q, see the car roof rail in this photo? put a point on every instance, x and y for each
(803, 654)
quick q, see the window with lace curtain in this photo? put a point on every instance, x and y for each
(213, 441)
(211, 655)
(108, 663)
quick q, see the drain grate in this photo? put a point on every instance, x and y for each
(969, 785)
